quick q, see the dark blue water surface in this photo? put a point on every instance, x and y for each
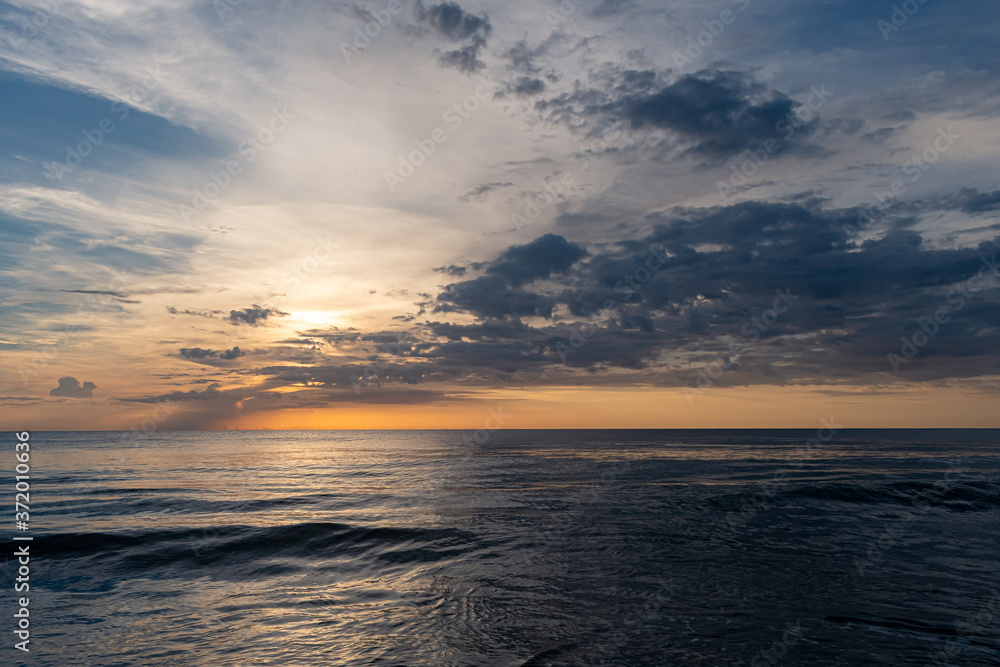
(530, 548)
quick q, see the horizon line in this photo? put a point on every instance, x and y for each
(606, 428)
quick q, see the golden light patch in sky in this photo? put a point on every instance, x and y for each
(654, 408)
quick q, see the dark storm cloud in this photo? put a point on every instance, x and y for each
(489, 330)
(450, 21)
(546, 255)
(725, 112)
(711, 271)
(70, 387)
(492, 296)
(499, 292)
(972, 201)
(234, 353)
(718, 112)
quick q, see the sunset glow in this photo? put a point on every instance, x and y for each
(578, 216)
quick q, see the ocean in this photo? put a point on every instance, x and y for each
(512, 548)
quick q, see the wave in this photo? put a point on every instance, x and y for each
(242, 544)
(957, 496)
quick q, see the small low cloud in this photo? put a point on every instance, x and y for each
(254, 316)
(196, 353)
(70, 387)
(527, 86)
(234, 353)
(201, 353)
(452, 270)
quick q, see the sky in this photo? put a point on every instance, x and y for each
(481, 215)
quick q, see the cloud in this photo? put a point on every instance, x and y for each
(451, 22)
(70, 387)
(479, 192)
(724, 112)
(489, 330)
(714, 270)
(608, 320)
(452, 270)
(717, 113)
(972, 201)
(498, 293)
(610, 7)
(522, 58)
(210, 314)
(527, 86)
(502, 322)
(196, 353)
(253, 316)
(20, 400)
(95, 291)
(210, 393)
(538, 259)
(117, 296)
(492, 296)
(201, 353)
